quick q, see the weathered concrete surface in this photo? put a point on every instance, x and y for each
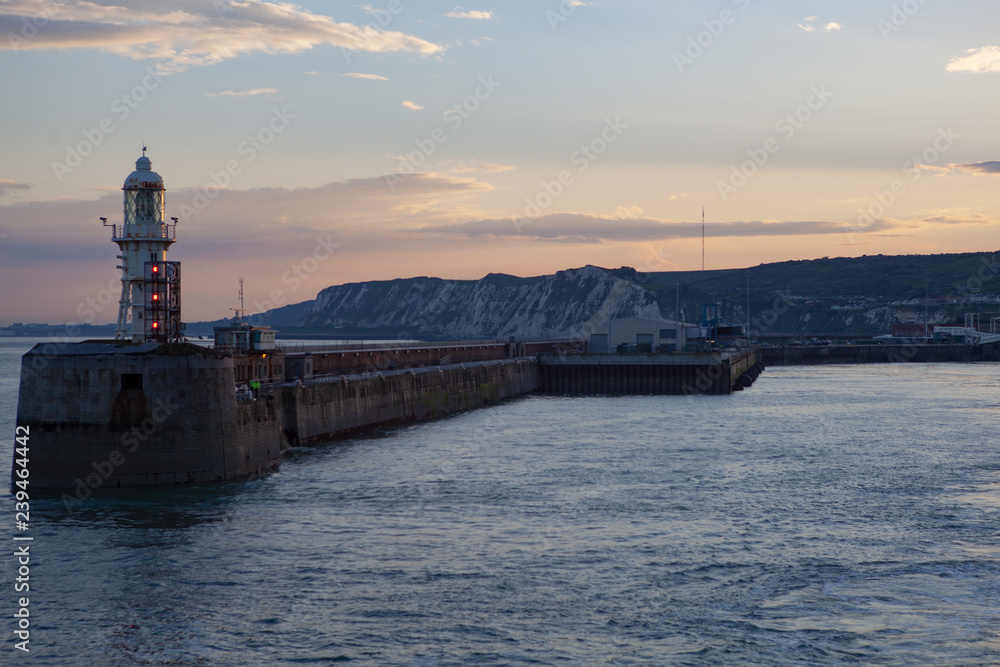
(332, 407)
(650, 374)
(341, 360)
(874, 354)
(107, 415)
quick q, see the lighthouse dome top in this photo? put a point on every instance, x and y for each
(143, 177)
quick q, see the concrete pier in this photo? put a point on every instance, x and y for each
(329, 407)
(651, 374)
(108, 414)
(874, 354)
(117, 414)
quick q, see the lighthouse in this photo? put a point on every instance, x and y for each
(150, 305)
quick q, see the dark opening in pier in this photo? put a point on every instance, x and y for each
(131, 381)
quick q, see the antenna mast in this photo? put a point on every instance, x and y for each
(702, 238)
(748, 308)
(239, 311)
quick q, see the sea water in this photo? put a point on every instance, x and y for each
(828, 515)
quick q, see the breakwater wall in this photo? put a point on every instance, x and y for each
(112, 415)
(875, 354)
(106, 414)
(336, 360)
(650, 374)
(335, 406)
(109, 415)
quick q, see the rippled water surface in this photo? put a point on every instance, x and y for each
(828, 515)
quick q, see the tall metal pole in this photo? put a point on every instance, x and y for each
(702, 238)
(926, 310)
(677, 318)
(677, 303)
(715, 320)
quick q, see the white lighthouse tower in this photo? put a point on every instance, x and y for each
(149, 308)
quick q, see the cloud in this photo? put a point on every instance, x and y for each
(989, 167)
(979, 61)
(190, 33)
(412, 105)
(364, 204)
(493, 168)
(628, 211)
(578, 227)
(243, 219)
(808, 26)
(302, 229)
(477, 15)
(467, 166)
(270, 229)
(932, 169)
(959, 219)
(244, 93)
(429, 221)
(7, 186)
(358, 75)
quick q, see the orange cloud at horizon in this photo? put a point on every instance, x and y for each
(290, 243)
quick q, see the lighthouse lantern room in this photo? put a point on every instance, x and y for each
(150, 305)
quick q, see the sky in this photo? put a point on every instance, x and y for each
(319, 143)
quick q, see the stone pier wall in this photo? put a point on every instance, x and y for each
(107, 415)
(644, 374)
(332, 407)
(874, 354)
